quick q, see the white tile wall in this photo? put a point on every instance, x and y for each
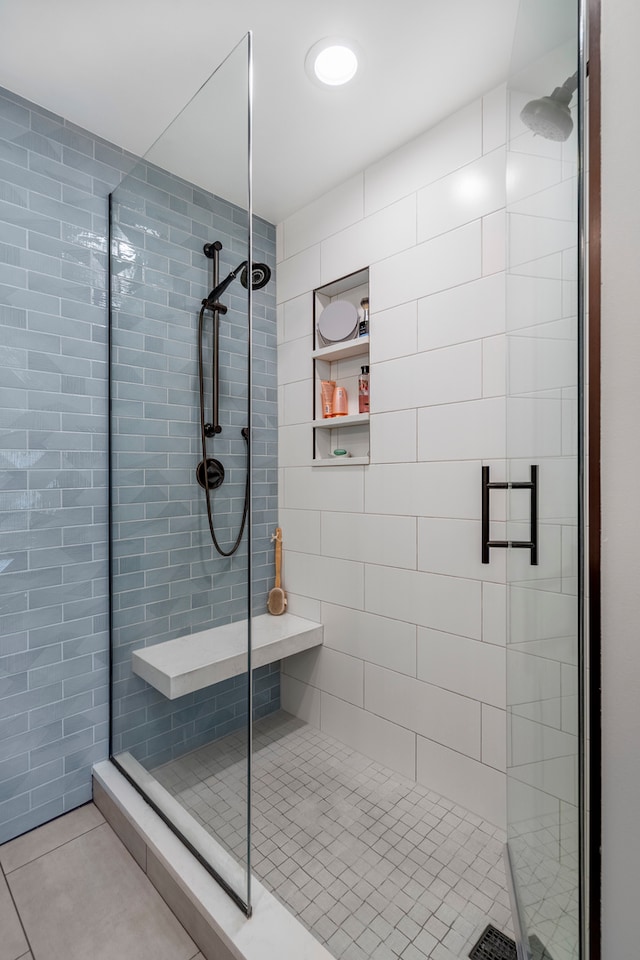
(471, 311)
(325, 578)
(451, 144)
(394, 332)
(386, 742)
(473, 191)
(370, 538)
(394, 436)
(494, 118)
(387, 555)
(494, 740)
(424, 489)
(463, 431)
(324, 217)
(454, 548)
(476, 670)
(448, 375)
(438, 714)
(462, 779)
(336, 673)
(375, 237)
(300, 699)
(445, 261)
(388, 643)
(444, 603)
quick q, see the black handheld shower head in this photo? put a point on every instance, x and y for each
(260, 276)
(550, 117)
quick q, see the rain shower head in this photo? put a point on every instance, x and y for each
(260, 276)
(550, 117)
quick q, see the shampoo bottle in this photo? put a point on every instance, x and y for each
(363, 390)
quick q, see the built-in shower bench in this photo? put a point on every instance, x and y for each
(181, 666)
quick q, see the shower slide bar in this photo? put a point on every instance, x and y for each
(487, 487)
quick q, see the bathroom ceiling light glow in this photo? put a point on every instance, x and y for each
(332, 61)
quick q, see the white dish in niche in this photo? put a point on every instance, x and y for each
(338, 321)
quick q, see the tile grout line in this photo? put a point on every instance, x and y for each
(58, 847)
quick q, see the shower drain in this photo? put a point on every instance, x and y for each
(494, 945)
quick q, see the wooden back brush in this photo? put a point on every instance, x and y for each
(277, 599)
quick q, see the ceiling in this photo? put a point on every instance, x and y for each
(123, 69)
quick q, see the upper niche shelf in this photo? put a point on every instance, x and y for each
(338, 351)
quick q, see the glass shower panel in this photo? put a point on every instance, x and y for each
(180, 223)
(542, 417)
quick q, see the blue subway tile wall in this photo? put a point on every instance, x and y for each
(54, 671)
(168, 579)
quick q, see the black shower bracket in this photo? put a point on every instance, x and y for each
(487, 487)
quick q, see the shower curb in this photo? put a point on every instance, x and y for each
(210, 917)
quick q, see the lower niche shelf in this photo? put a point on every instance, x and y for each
(340, 462)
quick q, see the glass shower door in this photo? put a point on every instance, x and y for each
(180, 222)
(544, 581)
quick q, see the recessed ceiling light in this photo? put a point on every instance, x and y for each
(332, 61)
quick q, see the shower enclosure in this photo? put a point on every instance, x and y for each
(181, 221)
(186, 692)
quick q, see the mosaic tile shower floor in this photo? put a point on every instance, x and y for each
(376, 866)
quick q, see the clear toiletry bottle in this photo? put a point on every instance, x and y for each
(363, 390)
(363, 328)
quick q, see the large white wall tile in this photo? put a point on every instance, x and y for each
(297, 317)
(494, 613)
(440, 715)
(389, 643)
(464, 666)
(300, 700)
(393, 331)
(494, 243)
(385, 742)
(494, 118)
(340, 675)
(324, 578)
(467, 312)
(309, 488)
(532, 742)
(531, 678)
(443, 603)
(540, 615)
(298, 274)
(473, 785)
(534, 426)
(394, 436)
(322, 218)
(296, 402)
(494, 737)
(377, 236)
(437, 264)
(537, 363)
(294, 445)
(533, 237)
(463, 431)
(453, 548)
(447, 375)
(306, 607)
(370, 538)
(494, 366)
(300, 530)
(294, 360)
(532, 300)
(447, 146)
(424, 489)
(473, 191)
